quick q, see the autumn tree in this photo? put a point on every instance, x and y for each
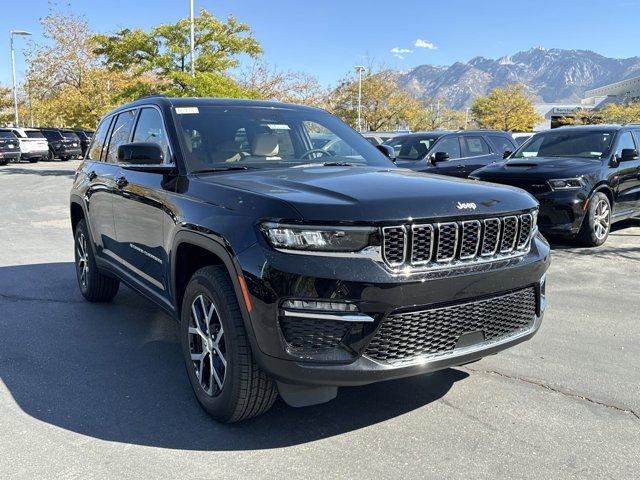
(6, 104)
(162, 55)
(385, 106)
(65, 81)
(621, 113)
(286, 86)
(507, 109)
(432, 115)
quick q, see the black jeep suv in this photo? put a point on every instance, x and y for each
(451, 153)
(9, 147)
(63, 144)
(293, 270)
(585, 178)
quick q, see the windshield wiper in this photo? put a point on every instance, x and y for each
(223, 169)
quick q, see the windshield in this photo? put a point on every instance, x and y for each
(34, 134)
(259, 137)
(413, 147)
(8, 135)
(587, 144)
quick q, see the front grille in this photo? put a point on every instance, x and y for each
(441, 244)
(311, 334)
(403, 336)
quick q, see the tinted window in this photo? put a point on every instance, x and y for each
(34, 134)
(70, 136)
(559, 143)
(7, 135)
(150, 128)
(52, 134)
(626, 141)
(99, 139)
(450, 145)
(475, 146)
(120, 134)
(501, 144)
(413, 147)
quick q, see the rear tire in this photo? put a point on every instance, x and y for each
(3, 161)
(597, 221)
(225, 378)
(51, 156)
(94, 286)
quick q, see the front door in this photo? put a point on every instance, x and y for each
(455, 165)
(627, 177)
(139, 210)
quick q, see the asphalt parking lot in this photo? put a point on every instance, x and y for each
(99, 391)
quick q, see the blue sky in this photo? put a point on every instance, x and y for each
(327, 38)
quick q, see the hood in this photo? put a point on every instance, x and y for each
(539, 168)
(366, 194)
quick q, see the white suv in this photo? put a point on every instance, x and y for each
(33, 145)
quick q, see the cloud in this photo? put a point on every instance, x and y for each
(400, 52)
(420, 43)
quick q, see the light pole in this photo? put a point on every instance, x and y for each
(13, 70)
(359, 70)
(192, 39)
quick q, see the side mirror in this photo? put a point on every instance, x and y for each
(439, 157)
(387, 151)
(140, 153)
(506, 154)
(628, 154)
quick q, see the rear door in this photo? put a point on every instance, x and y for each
(628, 177)
(476, 153)
(139, 207)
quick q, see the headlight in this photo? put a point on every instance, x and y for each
(320, 238)
(566, 184)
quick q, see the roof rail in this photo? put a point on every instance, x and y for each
(151, 95)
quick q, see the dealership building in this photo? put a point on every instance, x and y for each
(596, 98)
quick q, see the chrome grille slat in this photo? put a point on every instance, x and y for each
(447, 242)
(438, 245)
(509, 234)
(394, 247)
(421, 244)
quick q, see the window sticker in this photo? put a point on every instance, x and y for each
(186, 110)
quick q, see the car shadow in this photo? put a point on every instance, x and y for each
(115, 372)
(49, 172)
(618, 230)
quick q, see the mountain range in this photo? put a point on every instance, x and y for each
(549, 75)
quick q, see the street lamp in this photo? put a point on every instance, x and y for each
(192, 39)
(359, 70)
(13, 68)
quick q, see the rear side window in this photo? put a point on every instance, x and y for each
(150, 128)
(99, 139)
(501, 144)
(120, 134)
(450, 145)
(475, 146)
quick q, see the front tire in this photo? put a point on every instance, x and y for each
(94, 286)
(227, 382)
(597, 222)
(51, 156)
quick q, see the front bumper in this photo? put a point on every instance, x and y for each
(561, 212)
(273, 277)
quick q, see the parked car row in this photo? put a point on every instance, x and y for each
(34, 144)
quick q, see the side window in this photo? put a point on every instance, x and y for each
(625, 141)
(120, 134)
(637, 132)
(451, 145)
(475, 146)
(95, 150)
(501, 144)
(150, 128)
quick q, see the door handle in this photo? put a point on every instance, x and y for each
(460, 167)
(92, 175)
(121, 182)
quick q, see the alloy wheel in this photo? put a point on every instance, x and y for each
(207, 345)
(601, 219)
(82, 263)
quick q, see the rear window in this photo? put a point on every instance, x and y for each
(70, 136)
(34, 134)
(52, 134)
(7, 135)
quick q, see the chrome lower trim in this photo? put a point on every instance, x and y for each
(346, 317)
(371, 253)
